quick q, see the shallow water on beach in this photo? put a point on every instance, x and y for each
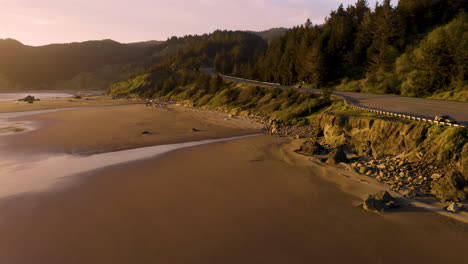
(7, 123)
(22, 174)
(4, 97)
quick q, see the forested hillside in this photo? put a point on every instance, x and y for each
(53, 66)
(98, 64)
(270, 34)
(223, 49)
(413, 47)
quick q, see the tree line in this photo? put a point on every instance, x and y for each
(405, 49)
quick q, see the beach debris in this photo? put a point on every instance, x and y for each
(379, 202)
(194, 130)
(146, 133)
(77, 96)
(453, 207)
(337, 155)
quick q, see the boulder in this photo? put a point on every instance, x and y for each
(363, 170)
(337, 155)
(453, 207)
(372, 204)
(29, 99)
(379, 202)
(383, 196)
(312, 147)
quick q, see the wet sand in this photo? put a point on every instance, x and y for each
(232, 202)
(245, 201)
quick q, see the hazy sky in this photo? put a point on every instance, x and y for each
(38, 22)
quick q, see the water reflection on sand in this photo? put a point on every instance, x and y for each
(21, 174)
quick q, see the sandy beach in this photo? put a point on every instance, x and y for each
(113, 128)
(251, 200)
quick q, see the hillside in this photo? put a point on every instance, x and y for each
(48, 67)
(270, 34)
(94, 65)
(185, 56)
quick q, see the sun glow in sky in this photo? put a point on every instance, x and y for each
(39, 22)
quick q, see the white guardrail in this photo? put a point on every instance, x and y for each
(352, 105)
(415, 118)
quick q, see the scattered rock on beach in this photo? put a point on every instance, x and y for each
(379, 202)
(29, 99)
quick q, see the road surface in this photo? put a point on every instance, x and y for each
(419, 107)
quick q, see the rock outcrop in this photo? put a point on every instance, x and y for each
(337, 155)
(312, 147)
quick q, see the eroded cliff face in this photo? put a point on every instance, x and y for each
(381, 136)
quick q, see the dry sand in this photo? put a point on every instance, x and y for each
(245, 201)
(115, 128)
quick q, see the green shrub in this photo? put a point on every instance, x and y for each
(451, 187)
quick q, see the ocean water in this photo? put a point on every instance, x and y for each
(4, 97)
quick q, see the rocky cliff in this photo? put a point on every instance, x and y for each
(415, 158)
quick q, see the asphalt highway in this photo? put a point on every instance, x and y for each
(419, 107)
